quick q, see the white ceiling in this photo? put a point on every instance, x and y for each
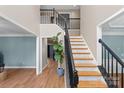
(7, 28)
(61, 7)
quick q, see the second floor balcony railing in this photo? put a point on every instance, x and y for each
(49, 16)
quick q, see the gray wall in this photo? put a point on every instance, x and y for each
(18, 51)
(116, 43)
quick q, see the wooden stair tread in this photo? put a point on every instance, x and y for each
(76, 38)
(89, 73)
(78, 44)
(92, 84)
(80, 48)
(76, 58)
(74, 35)
(72, 39)
(85, 65)
(80, 52)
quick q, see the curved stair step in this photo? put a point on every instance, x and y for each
(92, 84)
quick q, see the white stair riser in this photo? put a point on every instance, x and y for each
(81, 46)
(78, 43)
(82, 55)
(85, 61)
(90, 78)
(87, 69)
(75, 37)
(73, 50)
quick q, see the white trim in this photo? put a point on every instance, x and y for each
(41, 54)
(16, 23)
(99, 36)
(20, 67)
(37, 56)
(45, 66)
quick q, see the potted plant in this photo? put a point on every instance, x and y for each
(58, 48)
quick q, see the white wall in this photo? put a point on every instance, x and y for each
(91, 16)
(25, 15)
(50, 30)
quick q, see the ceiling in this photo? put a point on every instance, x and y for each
(7, 28)
(61, 7)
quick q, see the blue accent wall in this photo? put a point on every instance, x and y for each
(18, 51)
(116, 43)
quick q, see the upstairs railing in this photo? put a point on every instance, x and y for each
(50, 16)
(113, 67)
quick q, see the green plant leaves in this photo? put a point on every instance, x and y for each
(55, 47)
(58, 48)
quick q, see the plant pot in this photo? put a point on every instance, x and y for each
(60, 71)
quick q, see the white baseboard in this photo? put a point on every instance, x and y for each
(45, 66)
(20, 67)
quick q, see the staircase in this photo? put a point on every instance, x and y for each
(88, 72)
(80, 64)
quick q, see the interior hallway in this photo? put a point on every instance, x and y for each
(26, 78)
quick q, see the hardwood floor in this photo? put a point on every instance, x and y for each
(26, 78)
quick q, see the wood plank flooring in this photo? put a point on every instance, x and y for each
(27, 78)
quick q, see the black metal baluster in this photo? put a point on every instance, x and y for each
(54, 15)
(122, 77)
(105, 57)
(102, 56)
(108, 63)
(112, 68)
(116, 73)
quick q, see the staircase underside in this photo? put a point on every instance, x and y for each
(88, 72)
